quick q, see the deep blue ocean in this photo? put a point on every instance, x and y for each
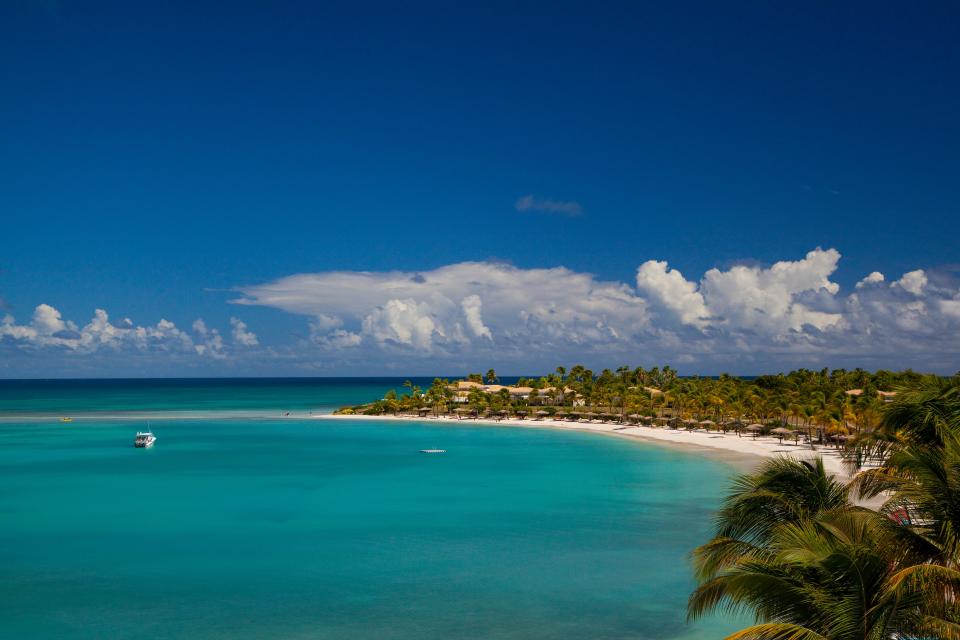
(243, 524)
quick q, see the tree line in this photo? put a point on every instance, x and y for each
(837, 401)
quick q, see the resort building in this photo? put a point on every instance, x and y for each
(885, 396)
(466, 385)
(520, 393)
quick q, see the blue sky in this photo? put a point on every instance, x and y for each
(161, 160)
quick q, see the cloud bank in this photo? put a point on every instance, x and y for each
(47, 329)
(742, 318)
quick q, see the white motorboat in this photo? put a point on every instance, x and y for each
(433, 450)
(144, 439)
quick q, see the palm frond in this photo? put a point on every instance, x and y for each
(776, 631)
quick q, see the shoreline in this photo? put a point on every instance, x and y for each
(744, 453)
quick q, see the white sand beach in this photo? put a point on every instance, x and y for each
(743, 451)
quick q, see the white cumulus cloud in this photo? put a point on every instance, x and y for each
(452, 307)
(912, 282)
(242, 335)
(737, 316)
(48, 329)
(473, 313)
(668, 288)
(874, 278)
(744, 318)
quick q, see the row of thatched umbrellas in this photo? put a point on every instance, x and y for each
(574, 416)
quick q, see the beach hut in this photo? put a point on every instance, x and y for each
(422, 411)
(754, 429)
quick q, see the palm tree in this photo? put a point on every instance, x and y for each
(783, 490)
(791, 548)
(928, 414)
(837, 577)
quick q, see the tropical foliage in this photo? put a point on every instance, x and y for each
(829, 403)
(792, 547)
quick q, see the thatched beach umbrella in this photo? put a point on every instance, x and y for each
(634, 417)
(782, 432)
(707, 424)
(542, 414)
(754, 429)
(559, 415)
(839, 437)
(521, 414)
(736, 425)
(590, 415)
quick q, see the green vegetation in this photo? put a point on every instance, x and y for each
(791, 548)
(828, 405)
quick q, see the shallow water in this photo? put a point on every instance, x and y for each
(251, 529)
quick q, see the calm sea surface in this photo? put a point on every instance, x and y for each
(242, 524)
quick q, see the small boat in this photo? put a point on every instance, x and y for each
(144, 440)
(433, 450)
(66, 419)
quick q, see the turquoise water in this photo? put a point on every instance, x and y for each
(251, 396)
(271, 528)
